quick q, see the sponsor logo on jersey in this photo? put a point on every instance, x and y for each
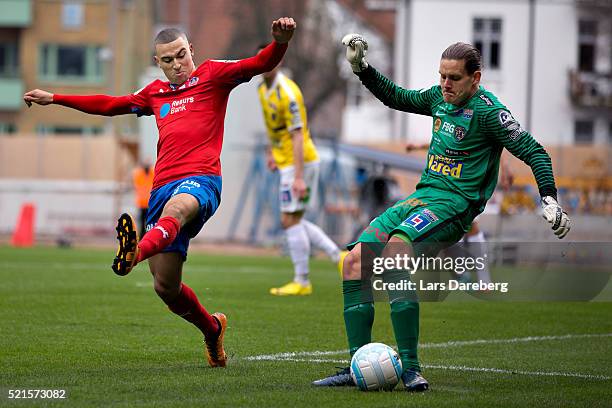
(510, 124)
(448, 128)
(459, 133)
(486, 100)
(410, 202)
(293, 108)
(504, 118)
(445, 166)
(381, 236)
(453, 152)
(165, 234)
(437, 124)
(186, 185)
(164, 110)
(417, 221)
(465, 113)
(176, 106)
(193, 81)
(430, 215)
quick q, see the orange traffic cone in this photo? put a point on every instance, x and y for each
(24, 230)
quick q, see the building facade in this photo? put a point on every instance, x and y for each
(74, 47)
(549, 61)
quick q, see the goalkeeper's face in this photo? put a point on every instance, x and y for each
(176, 60)
(457, 85)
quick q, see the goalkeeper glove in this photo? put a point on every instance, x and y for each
(356, 48)
(554, 214)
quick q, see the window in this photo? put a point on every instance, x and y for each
(9, 66)
(70, 62)
(587, 38)
(67, 130)
(583, 132)
(355, 93)
(7, 128)
(487, 34)
(72, 14)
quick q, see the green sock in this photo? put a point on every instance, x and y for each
(405, 319)
(358, 313)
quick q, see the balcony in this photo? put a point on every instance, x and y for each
(16, 13)
(601, 5)
(590, 89)
(12, 90)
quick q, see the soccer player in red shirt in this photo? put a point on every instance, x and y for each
(190, 111)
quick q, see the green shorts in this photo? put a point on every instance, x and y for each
(428, 215)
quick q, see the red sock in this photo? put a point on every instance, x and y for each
(189, 308)
(159, 237)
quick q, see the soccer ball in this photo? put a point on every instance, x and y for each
(376, 366)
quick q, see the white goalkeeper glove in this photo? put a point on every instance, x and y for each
(356, 49)
(554, 214)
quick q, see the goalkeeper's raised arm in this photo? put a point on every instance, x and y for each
(392, 95)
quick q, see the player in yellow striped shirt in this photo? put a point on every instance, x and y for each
(294, 155)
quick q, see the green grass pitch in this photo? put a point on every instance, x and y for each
(67, 322)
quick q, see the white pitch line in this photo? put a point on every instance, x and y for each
(502, 371)
(291, 355)
(464, 368)
(513, 340)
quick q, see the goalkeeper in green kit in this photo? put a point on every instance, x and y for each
(470, 129)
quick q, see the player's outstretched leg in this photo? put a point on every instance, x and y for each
(215, 354)
(127, 250)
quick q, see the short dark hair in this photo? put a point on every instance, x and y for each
(465, 52)
(167, 35)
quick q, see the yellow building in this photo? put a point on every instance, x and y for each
(75, 47)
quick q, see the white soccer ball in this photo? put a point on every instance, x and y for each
(376, 366)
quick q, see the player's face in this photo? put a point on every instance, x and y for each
(457, 85)
(175, 59)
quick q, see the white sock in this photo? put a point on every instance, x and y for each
(320, 240)
(478, 248)
(299, 251)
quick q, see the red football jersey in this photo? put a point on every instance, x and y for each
(190, 117)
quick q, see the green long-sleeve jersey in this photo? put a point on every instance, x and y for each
(467, 141)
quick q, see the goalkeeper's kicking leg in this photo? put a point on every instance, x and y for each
(358, 314)
(359, 317)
